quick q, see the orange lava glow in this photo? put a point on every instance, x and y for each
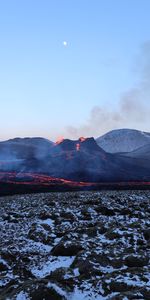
(46, 180)
(82, 139)
(77, 146)
(38, 179)
(60, 140)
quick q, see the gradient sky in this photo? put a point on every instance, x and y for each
(46, 86)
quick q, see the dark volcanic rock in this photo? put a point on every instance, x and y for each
(111, 234)
(104, 210)
(3, 266)
(90, 244)
(146, 234)
(43, 292)
(66, 249)
(68, 216)
(62, 275)
(116, 286)
(38, 234)
(136, 261)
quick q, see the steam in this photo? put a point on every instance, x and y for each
(133, 108)
(24, 154)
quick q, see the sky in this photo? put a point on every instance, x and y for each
(73, 67)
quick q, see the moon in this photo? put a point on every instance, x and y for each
(65, 44)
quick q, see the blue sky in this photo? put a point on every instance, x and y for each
(46, 87)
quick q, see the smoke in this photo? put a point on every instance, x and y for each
(25, 154)
(133, 108)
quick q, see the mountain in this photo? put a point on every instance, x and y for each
(23, 147)
(84, 160)
(81, 160)
(141, 152)
(123, 140)
(15, 152)
(82, 144)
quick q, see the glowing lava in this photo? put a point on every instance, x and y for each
(60, 140)
(82, 139)
(43, 179)
(77, 146)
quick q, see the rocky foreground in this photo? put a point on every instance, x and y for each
(77, 245)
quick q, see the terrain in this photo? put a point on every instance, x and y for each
(37, 164)
(123, 140)
(75, 246)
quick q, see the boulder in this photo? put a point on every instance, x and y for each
(38, 234)
(66, 249)
(43, 292)
(3, 266)
(104, 210)
(146, 234)
(136, 261)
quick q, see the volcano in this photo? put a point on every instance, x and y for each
(82, 144)
(81, 160)
(84, 160)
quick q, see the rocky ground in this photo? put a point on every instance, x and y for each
(77, 245)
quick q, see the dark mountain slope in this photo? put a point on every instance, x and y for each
(80, 160)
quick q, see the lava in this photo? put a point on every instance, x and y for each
(46, 180)
(82, 139)
(77, 146)
(37, 179)
(60, 140)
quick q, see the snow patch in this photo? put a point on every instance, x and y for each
(51, 265)
(22, 296)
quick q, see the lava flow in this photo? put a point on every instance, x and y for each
(42, 179)
(81, 140)
(37, 179)
(77, 146)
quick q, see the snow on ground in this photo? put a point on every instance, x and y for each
(52, 264)
(75, 246)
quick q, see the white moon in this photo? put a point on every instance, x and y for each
(65, 43)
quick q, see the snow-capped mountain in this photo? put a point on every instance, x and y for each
(123, 140)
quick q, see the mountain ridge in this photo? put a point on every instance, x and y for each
(76, 160)
(123, 140)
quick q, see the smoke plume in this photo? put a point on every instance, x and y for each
(133, 108)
